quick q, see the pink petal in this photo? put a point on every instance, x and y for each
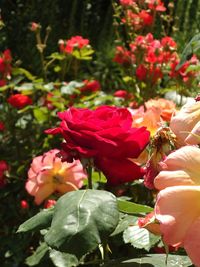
(43, 192)
(176, 209)
(31, 187)
(172, 178)
(187, 159)
(191, 242)
(194, 137)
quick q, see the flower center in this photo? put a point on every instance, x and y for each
(57, 178)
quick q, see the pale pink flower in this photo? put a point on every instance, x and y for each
(186, 126)
(48, 174)
(178, 203)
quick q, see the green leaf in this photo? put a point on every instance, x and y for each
(140, 237)
(124, 223)
(132, 208)
(83, 53)
(57, 55)
(37, 222)
(61, 259)
(71, 87)
(41, 114)
(191, 48)
(57, 68)
(4, 88)
(25, 88)
(97, 177)
(157, 260)
(82, 220)
(193, 68)
(38, 255)
(27, 74)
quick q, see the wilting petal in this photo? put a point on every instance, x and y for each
(176, 209)
(149, 222)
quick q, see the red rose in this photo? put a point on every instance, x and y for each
(90, 86)
(19, 101)
(3, 168)
(2, 82)
(2, 126)
(146, 17)
(106, 134)
(141, 72)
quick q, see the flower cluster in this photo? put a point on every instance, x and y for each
(139, 15)
(183, 75)
(150, 56)
(76, 42)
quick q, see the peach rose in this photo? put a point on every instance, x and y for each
(149, 118)
(178, 203)
(153, 114)
(48, 174)
(167, 107)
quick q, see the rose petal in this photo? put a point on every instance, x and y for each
(191, 242)
(172, 178)
(119, 171)
(176, 209)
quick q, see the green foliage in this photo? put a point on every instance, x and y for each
(61, 259)
(193, 47)
(132, 208)
(40, 221)
(140, 237)
(85, 217)
(38, 255)
(157, 260)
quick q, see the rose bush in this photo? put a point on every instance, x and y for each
(107, 136)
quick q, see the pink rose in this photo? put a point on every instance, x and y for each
(186, 124)
(106, 135)
(178, 203)
(48, 174)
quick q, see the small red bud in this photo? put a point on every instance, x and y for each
(24, 204)
(49, 203)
